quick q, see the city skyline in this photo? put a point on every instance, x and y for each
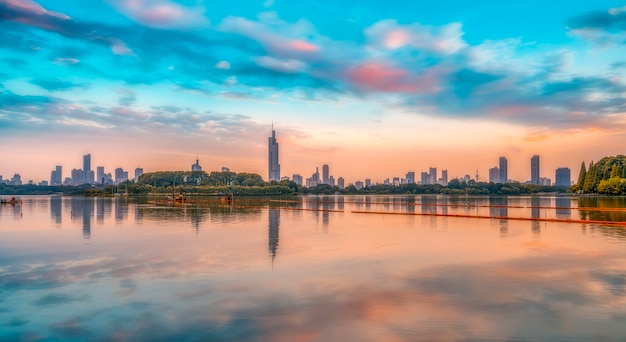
(374, 90)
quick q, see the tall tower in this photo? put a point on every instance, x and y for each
(534, 169)
(273, 166)
(504, 171)
(87, 178)
(325, 174)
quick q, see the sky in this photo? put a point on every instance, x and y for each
(373, 89)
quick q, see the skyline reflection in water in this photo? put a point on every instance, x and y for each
(310, 269)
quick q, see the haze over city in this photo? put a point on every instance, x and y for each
(373, 90)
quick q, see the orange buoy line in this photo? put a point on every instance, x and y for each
(288, 208)
(610, 223)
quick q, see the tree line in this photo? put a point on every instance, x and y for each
(607, 176)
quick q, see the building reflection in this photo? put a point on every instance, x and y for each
(273, 228)
(88, 209)
(121, 211)
(56, 209)
(535, 212)
(563, 205)
(498, 208)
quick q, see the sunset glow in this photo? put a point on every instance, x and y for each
(372, 90)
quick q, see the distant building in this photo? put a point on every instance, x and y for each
(545, 181)
(368, 182)
(16, 179)
(504, 170)
(196, 166)
(494, 175)
(273, 165)
(340, 183)
(432, 175)
(358, 185)
(534, 170)
(87, 176)
(67, 181)
(284, 178)
(396, 181)
(331, 181)
(410, 177)
(325, 173)
(225, 169)
(78, 177)
(121, 176)
(444, 177)
(424, 178)
(56, 176)
(297, 179)
(563, 177)
(138, 173)
(43, 183)
(100, 175)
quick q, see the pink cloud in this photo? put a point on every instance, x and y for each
(278, 37)
(33, 8)
(162, 13)
(301, 45)
(382, 77)
(388, 34)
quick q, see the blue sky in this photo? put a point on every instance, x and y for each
(397, 84)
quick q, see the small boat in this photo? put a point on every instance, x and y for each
(12, 201)
(176, 198)
(228, 198)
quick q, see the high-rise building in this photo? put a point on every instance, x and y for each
(325, 173)
(56, 176)
(196, 166)
(78, 177)
(273, 165)
(563, 177)
(368, 182)
(331, 181)
(87, 168)
(504, 170)
(444, 177)
(494, 175)
(424, 178)
(100, 174)
(138, 173)
(358, 185)
(534, 170)
(432, 175)
(120, 175)
(410, 177)
(89, 177)
(340, 183)
(297, 179)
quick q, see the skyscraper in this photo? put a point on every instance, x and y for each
(494, 175)
(432, 175)
(444, 177)
(325, 173)
(410, 177)
(273, 165)
(563, 177)
(534, 169)
(196, 166)
(138, 173)
(504, 171)
(100, 174)
(340, 183)
(86, 169)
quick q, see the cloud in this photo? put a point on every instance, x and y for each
(128, 97)
(66, 61)
(162, 13)
(224, 65)
(30, 6)
(281, 65)
(602, 27)
(388, 34)
(53, 299)
(54, 84)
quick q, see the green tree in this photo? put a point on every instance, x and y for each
(581, 177)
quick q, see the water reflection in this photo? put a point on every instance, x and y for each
(498, 207)
(273, 228)
(563, 210)
(152, 278)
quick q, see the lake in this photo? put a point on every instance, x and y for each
(314, 269)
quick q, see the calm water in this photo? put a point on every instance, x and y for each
(74, 268)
